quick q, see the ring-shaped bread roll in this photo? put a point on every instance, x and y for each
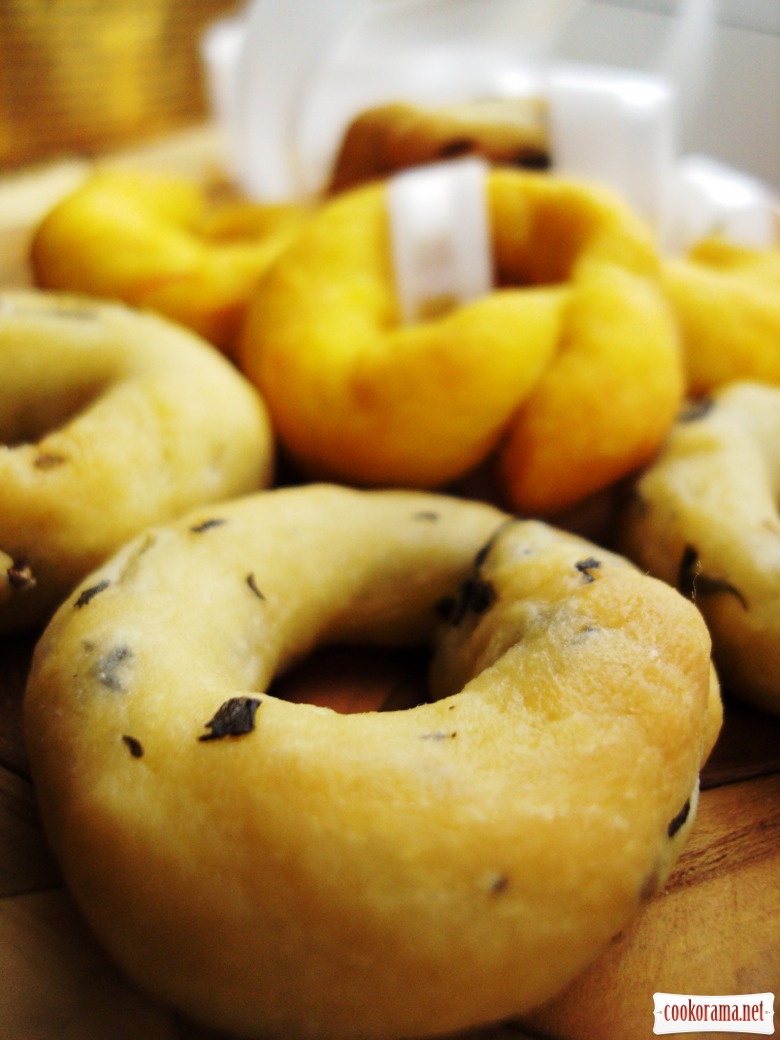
(158, 241)
(280, 869)
(726, 299)
(704, 518)
(576, 347)
(380, 141)
(110, 420)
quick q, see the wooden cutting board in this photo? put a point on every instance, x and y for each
(714, 931)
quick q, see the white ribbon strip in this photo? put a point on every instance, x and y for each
(711, 198)
(440, 236)
(617, 128)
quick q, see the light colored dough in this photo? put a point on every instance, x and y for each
(110, 420)
(309, 874)
(704, 518)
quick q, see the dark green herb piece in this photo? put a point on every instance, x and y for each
(206, 525)
(136, 748)
(679, 819)
(474, 596)
(235, 718)
(250, 580)
(586, 566)
(89, 594)
(482, 555)
(106, 668)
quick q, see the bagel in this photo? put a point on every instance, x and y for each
(158, 241)
(704, 518)
(280, 869)
(726, 299)
(572, 362)
(110, 420)
(382, 140)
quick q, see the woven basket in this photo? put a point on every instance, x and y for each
(81, 76)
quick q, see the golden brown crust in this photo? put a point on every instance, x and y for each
(568, 370)
(726, 300)
(159, 242)
(372, 875)
(383, 140)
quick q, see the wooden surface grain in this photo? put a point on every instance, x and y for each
(714, 930)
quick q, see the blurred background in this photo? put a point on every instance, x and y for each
(85, 76)
(729, 70)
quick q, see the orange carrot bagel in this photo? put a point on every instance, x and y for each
(726, 298)
(380, 141)
(157, 241)
(568, 372)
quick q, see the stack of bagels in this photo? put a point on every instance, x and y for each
(222, 446)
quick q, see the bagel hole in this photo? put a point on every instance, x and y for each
(37, 415)
(545, 242)
(352, 679)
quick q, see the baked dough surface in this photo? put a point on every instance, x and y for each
(110, 420)
(567, 374)
(383, 140)
(704, 518)
(280, 869)
(161, 242)
(726, 300)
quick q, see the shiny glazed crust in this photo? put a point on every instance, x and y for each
(280, 869)
(704, 518)
(110, 420)
(568, 373)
